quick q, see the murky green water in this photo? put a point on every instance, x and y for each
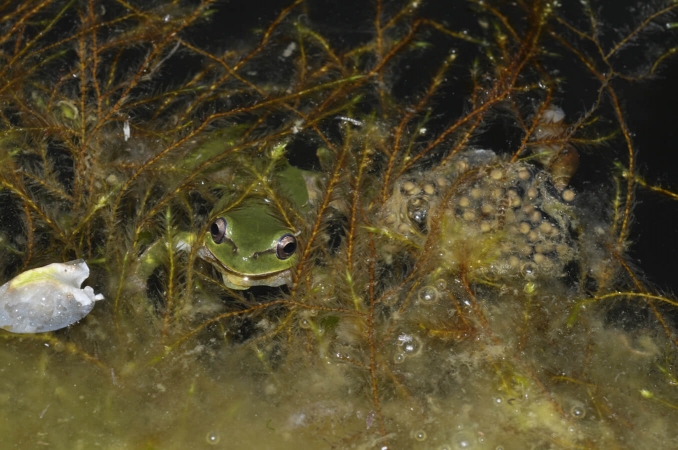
(462, 278)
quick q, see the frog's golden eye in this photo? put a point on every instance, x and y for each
(218, 230)
(287, 245)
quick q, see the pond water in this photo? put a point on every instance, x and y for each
(393, 225)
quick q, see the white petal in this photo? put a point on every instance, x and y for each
(46, 298)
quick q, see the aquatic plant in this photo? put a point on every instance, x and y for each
(459, 284)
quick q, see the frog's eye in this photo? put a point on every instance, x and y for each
(218, 230)
(287, 245)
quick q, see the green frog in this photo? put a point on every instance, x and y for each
(250, 244)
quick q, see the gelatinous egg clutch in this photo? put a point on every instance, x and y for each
(496, 218)
(47, 298)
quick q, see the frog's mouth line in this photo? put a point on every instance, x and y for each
(240, 281)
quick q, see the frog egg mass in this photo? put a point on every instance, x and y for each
(46, 298)
(497, 217)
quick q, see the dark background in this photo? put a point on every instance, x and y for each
(650, 106)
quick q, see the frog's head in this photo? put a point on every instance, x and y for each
(251, 247)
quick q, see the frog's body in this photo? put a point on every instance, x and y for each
(249, 243)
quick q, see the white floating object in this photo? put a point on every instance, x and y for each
(47, 298)
(126, 131)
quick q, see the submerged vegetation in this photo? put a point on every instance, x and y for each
(462, 277)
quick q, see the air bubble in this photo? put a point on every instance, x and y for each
(529, 270)
(464, 440)
(399, 358)
(578, 411)
(417, 209)
(213, 438)
(412, 347)
(428, 294)
(419, 435)
(304, 323)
